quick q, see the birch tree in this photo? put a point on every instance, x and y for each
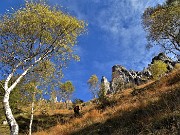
(93, 83)
(39, 76)
(66, 90)
(32, 91)
(32, 34)
(162, 24)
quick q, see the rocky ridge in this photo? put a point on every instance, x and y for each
(123, 78)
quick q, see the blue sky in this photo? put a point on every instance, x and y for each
(115, 36)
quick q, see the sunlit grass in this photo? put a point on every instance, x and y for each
(135, 111)
(150, 96)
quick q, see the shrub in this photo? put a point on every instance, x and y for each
(158, 69)
(103, 100)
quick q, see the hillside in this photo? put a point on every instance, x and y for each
(152, 108)
(42, 88)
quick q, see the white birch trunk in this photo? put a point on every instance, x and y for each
(14, 128)
(32, 115)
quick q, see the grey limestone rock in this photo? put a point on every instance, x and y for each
(106, 84)
(123, 78)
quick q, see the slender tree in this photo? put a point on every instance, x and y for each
(93, 83)
(66, 90)
(30, 35)
(31, 89)
(39, 76)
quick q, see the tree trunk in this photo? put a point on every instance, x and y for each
(32, 114)
(14, 128)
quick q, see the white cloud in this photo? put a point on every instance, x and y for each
(120, 17)
(115, 37)
(121, 21)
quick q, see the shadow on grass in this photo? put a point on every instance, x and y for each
(151, 86)
(161, 117)
(41, 122)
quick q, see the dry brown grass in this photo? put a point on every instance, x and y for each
(87, 119)
(147, 98)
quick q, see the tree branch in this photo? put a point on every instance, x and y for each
(23, 74)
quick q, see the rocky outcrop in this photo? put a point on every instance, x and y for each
(106, 85)
(123, 78)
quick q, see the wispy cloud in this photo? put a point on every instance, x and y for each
(121, 21)
(115, 37)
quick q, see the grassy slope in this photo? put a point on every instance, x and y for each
(153, 108)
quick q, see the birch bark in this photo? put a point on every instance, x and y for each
(32, 114)
(14, 128)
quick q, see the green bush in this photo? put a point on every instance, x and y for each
(158, 69)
